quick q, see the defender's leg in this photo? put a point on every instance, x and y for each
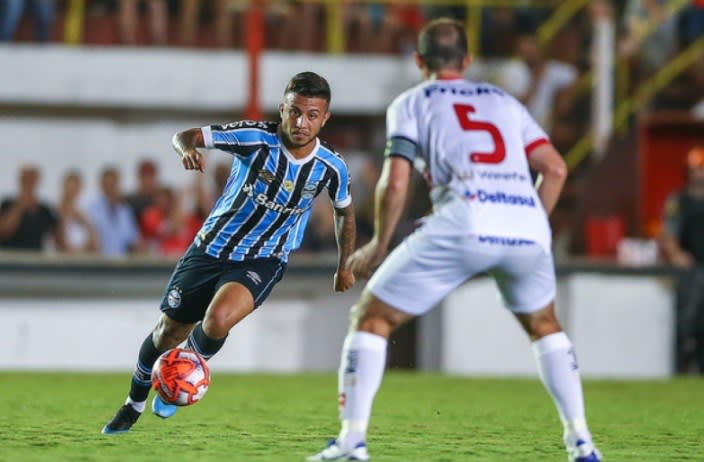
(361, 370)
(557, 364)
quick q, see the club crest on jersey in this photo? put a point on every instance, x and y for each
(288, 185)
(309, 191)
(174, 298)
(266, 176)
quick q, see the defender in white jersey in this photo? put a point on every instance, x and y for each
(476, 145)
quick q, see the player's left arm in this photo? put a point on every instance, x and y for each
(546, 160)
(345, 235)
(345, 226)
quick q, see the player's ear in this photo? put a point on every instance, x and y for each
(281, 111)
(466, 62)
(325, 118)
(419, 60)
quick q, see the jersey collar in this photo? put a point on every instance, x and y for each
(293, 160)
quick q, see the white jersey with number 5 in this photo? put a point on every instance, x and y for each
(473, 144)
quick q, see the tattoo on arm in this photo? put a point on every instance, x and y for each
(345, 234)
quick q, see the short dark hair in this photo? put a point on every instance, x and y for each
(442, 43)
(309, 84)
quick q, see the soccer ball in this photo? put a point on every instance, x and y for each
(181, 377)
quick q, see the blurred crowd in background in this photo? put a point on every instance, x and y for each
(552, 75)
(546, 76)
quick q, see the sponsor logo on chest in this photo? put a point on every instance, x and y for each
(262, 200)
(500, 197)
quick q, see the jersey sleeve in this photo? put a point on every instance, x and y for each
(532, 134)
(239, 138)
(401, 130)
(672, 216)
(339, 186)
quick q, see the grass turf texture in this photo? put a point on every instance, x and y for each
(57, 417)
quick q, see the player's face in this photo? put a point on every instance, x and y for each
(696, 175)
(302, 117)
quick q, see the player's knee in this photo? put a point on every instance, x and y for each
(541, 324)
(217, 323)
(378, 326)
(378, 321)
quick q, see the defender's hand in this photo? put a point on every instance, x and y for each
(193, 160)
(366, 258)
(343, 280)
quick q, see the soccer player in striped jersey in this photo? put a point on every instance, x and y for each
(240, 253)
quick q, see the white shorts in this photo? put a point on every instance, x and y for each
(424, 269)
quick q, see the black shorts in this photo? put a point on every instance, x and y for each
(198, 276)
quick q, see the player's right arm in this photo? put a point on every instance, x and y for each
(549, 163)
(238, 138)
(392, 187)
(186, 144)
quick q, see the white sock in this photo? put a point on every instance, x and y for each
(559, 372)
(361, 370)
(136, 405)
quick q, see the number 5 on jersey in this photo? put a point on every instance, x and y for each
(499, 152)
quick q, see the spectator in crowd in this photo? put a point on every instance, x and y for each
(113, 218)
(79, 233)
(129, 12)
(167, 230)
(650, 34)
(682, 245)
(693, 22)
(147, 188)
(222, 13)
(11, 13)
(294, 25)
(538, 83)
(25, 222)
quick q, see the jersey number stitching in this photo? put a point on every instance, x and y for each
(499, 153)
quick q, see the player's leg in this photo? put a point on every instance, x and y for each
(527, 283)
(184, 302)
(559, 371)
(232, 303)
(167, 334)
(361, 371)
(241, 288)
(412, 280)
(10, 15)
(128, 18)
(363, 362)
(158, 21)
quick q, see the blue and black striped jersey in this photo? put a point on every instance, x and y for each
(266, 203)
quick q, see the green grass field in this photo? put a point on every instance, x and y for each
(51, 417)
